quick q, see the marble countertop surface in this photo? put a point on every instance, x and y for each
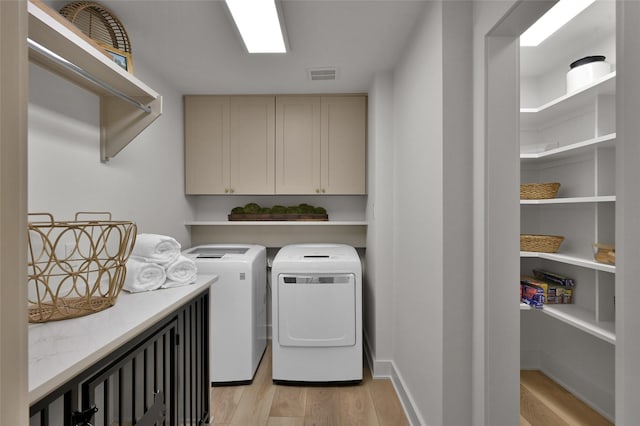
(59, 350)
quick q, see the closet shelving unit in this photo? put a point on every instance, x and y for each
(127, 105)
(592, 200)
(570, 138)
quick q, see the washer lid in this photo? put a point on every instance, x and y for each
(216, 252)
(316, 252)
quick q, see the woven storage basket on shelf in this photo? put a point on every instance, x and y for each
(538, 191)
(98, 23)
(76, 268)
(540, 243)
(604, 253)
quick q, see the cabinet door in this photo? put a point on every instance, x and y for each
(206, 144)
(297, 144)
(343, 144)
(252, 144)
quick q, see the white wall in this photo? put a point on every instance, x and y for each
(420, 269)
(627, 380)
(417, 216)
(379, 278)
(457, 212)
(143, 183)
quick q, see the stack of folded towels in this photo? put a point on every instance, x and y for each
(156, 262)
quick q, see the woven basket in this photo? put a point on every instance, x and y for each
(539, 191)
(98, 23)
(76, 267)
(540, 243)
(604, 253)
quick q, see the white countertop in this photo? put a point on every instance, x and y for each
(59, 350)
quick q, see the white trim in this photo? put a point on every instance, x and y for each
(14, 403)
(550, 366)
(379, 369)
(386, 369)
(407, 401)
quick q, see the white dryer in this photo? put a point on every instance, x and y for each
(317, 313)
(238, 309)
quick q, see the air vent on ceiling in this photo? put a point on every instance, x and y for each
(323, 73)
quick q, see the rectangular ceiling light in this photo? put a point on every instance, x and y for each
(561, 13)
(258, 24)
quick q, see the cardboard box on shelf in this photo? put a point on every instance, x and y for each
(531, 294)
(553, 293)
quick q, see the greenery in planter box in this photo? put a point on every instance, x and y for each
(253, 208)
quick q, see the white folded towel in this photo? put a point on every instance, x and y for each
(143, 275)
(156, 248)
(182, 271)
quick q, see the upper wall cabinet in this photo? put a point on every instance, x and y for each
(251, 144)
(321, 144)
(229, 144)
(206, 154)
(298, 145)
(275, 145)
(127, 105)
(343, 143)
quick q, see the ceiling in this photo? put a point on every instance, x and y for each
(194, 45)
(581, 34)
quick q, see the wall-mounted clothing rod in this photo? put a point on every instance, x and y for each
(84, 74)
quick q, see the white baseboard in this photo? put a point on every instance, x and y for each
(379, 369)
(597, 398)
(387, 369)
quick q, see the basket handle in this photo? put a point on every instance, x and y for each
(48, 215)
(108, 214)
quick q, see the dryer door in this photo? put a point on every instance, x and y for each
(316, 310)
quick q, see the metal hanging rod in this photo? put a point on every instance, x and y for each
(84, 74)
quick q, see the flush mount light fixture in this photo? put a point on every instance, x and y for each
(259, 25)
(561, 13)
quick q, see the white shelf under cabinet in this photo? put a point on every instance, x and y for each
(570, 260)
(567, 104)
(278, 233)
(120, 122)
(276, 223)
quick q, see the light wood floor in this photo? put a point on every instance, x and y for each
(545, 403)
(374, 403)
(371, 403)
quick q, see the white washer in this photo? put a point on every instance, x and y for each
(238, 309)
(317, 313)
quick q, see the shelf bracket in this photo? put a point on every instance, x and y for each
(121, 122)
